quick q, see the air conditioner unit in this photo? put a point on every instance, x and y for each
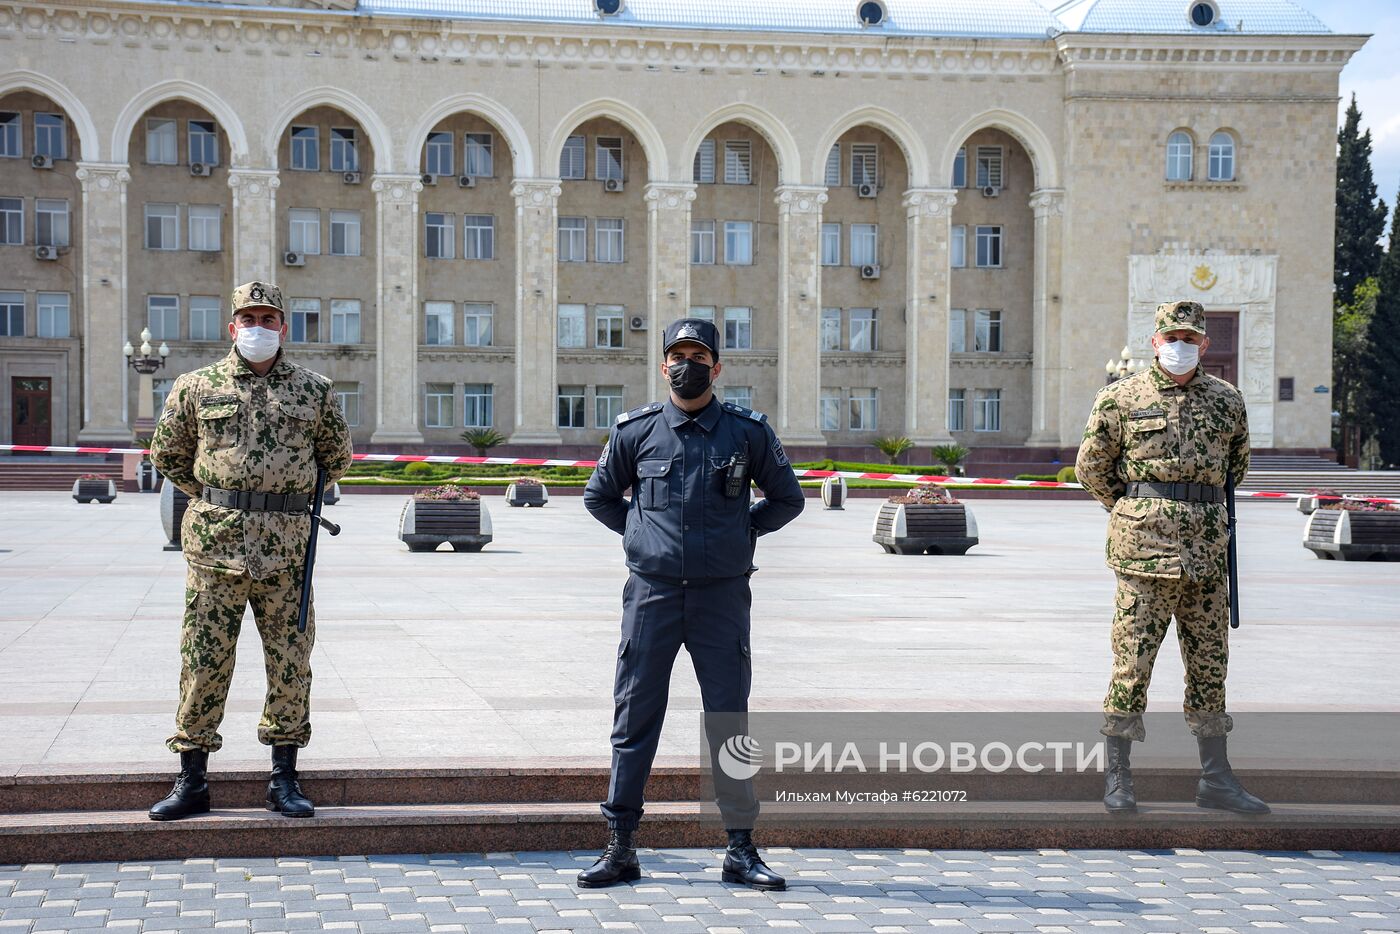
(870, 271)
(612, 184)
(637, 323)
(46, 252)
(466, 181)
(200, 169)
(866, 190)
(351, 178)
(42, 162)
(991, 191)
(293, 259)
(427, 178)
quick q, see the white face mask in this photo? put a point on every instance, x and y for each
(1178, 357)
(257, 344)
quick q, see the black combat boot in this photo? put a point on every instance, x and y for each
(743, 865)
(1218, 787)
(191, 792)
(617, 864)
(1118, 794)
(284, 791)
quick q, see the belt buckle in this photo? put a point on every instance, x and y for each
(257, 502)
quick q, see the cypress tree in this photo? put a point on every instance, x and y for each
(1382, 393)
(1360, 217)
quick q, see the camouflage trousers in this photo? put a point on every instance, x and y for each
(214, 603)
(1145, 607)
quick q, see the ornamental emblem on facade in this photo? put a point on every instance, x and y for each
(1204, 278)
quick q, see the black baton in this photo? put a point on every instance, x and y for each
(316, 523)
(1233, 561)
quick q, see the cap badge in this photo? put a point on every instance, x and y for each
(688, 331)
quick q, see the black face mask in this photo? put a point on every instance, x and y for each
(689, 378)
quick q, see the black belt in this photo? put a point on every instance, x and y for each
(257, 502)
(1182, 492)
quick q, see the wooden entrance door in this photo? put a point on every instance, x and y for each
(1222, 359)
(31, 410)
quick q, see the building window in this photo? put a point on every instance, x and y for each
(437, 323)
(206, 318)
(1179, 156)
(160, 391)
(738, 328)
(831, 244)
(479, 162)
(986, 327)
(478, 408)
(437, 236)
(573, 239)
(304, 231)
(345, 321)
(437, 154)
(9, 136)
(830, 409)
(607, 405)
(865, 244)
(348, 395)
(53, 309)
(831, 329)
(306, 148)
(51, 222)
(989, 246)
(163, 317)
(738, 162)
(12, 221)
(344, 155)
(957, 330)
(989, 160)
(863, 164)
(1222, 157)
(573, 328)
(437, 405)
(51, 135)
(865, 414)
(607, 158)
(986, 410)
(477, 318)
(571, 400)
(205, 222)
(703, 313)
(702, 242)
(957, 250)
(162, 227)
(738, 243)
(11, 314)
(607, 240)
(607, 326)
(203, 142)
(306, 320)
(572, 158)
(703, 171)
(833, 166)
(741, 396)
(161, 143)
(957, 402)
(862, 324)
(478, 236)
(960, 169)
(345, 233)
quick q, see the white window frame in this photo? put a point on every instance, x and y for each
(53, 141)
(864, 409)
(832, 174)
(1181, 156)
(576, 398)
(478, 236)
(573, 158)
(865, 244)
(439, 154)
(702, 170)
(987, 335)
(443, 233)
(573, 239)
(610, 242)
(738, 243)
(12, 221)
(738, 327)
(205, 223)
(957, 247)
(957, 330)
(1221, 157)
(163, 317)
(738, 162)
(990, 236)
(439, 323)
(608, 327)
(607, 405)
(741, 396)
(607, 158)
(479, 155)
(162, 141)
(169, 225)
(11, 136)
(865, 164)
(348, 223)
(702, 243)
(703, 312)
(160, 391)
(572, 326)
(11, 314)
(53, 312)
(960, 169)
(302, 313)
(299, 147)
(829, 330)
(345, 321)
(957, 409)
(478, 324)
(345, 149)
(350, 396)
(986, 410)
(304, 231)
(864, 329)
(478, 405)
(202, 142)
(53, 214)
(991, 167)
(439, 405)
(206, 318)
(829, 409)
(831, 244)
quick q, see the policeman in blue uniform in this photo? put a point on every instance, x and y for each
(689, 533)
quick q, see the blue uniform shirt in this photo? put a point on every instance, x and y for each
(679, 525)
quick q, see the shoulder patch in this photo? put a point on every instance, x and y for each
(649, 409)
(746, 413)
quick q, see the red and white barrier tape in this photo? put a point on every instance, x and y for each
(938, 479)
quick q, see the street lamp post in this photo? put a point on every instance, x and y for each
(1124, 365)
(146, 365)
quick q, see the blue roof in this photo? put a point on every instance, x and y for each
(1257, 17)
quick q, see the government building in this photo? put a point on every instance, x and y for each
(932, 218)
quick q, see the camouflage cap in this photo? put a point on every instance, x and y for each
(1181, 316)
(257, 295)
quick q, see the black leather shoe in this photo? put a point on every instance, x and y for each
(1219, 788)
(191, 792)
(617, 864)
(743, 865)
(284, 791)
(1118, 794)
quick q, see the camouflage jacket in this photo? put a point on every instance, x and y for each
(1146, 427)
(225, 427)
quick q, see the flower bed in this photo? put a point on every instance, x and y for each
(1354, 530)
(94, 488)
(451, 514)
(925, 520)
(527, 491)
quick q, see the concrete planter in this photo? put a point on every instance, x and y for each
(426, 524)
(1352, 535)
(173, 503)
(834, 492)
(925, 528)
(527, 494)
(94, 491)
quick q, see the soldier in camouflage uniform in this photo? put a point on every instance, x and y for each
(244, 438)
(1156, 452)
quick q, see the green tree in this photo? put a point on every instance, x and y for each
(1352, 362)
(1382, 391)
(1360, 216)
